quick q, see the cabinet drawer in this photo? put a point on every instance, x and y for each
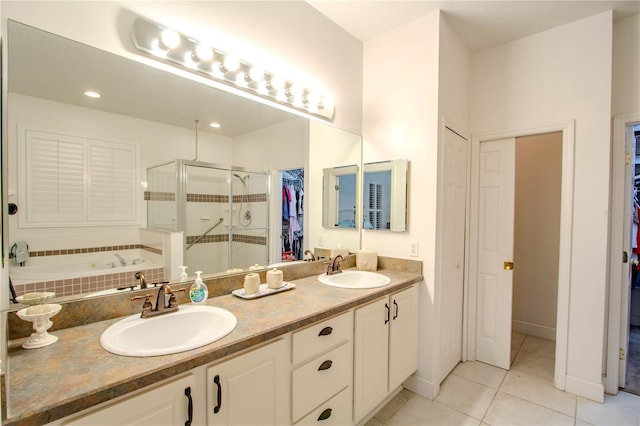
(322, 336)
(319, 379)
(336, 411)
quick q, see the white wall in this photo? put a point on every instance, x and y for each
(400, 120)
(537, 233)
(546, 79)
(291, 37)
(159, 143)
(626, 65)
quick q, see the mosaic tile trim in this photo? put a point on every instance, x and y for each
(159, 196)
(250, 239)
(250, 198)
(207, 198)
(215, 238)
(85, 250)
(82, 285)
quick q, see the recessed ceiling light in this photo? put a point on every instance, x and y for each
(92, 94)
(215, 125)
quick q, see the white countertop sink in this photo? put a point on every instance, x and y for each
(355, 279)
(190, 327)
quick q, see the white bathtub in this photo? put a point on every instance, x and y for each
(78, 266)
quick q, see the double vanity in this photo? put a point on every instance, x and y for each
(317, 354)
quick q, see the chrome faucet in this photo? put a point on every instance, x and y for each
(122, 261)
(333, 265)
(310, 253)
(166, 302)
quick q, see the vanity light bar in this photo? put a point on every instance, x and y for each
(167, 44)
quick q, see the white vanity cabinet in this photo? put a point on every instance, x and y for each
(385, 348)
(250, 389)
(167, 404)
(321, 378)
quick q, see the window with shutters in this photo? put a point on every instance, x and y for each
(74, 181)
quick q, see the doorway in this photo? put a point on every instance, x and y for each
(292, 236)
(621, 253)
(493, 307)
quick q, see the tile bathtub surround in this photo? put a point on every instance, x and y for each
(93, 375)
(81, 285)
(84, 250)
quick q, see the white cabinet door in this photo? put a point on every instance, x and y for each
(164, 405)
(403, 336)
(371, 356)
(249, 389)
(385, 348)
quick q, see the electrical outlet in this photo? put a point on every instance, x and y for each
(413, 249)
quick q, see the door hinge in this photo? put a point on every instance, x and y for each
(622, 354)
(628, 158)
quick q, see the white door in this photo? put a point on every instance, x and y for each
(629, 171)
(495, 252)
(452, 243)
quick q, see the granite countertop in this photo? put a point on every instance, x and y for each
(75, 373)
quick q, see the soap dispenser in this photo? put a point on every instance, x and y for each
(183, 274)
(199, 291)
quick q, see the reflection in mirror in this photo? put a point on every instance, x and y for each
(145, 118)
(384, 192)
(339, 197)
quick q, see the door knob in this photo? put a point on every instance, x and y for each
(508, 266)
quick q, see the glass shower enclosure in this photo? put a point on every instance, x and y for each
(223, 213)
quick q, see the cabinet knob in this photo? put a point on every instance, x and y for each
(326, 331)
(325, 414)
(325, 365)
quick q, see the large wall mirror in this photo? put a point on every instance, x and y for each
(384, 193)
(150, 114)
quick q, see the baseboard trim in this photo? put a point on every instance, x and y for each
(534, 329)
(421, 386)
(585, 388)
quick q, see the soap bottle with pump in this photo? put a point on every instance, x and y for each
(183, 275)
(199, 291)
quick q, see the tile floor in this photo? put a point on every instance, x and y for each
(480, 394)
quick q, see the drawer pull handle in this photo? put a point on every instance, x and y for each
(187, 393)
(325, 414)
(216, 380)
(397, 310)
(326, 331)
(325, 365)
(386, 305)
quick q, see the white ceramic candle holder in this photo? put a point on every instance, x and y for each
(40, 316)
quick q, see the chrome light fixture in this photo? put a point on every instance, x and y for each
(166, 44)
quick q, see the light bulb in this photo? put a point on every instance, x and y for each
(231, 63)
(327, 103)
(256, 73)
(276, 83)
(92, 94)
(170, 38)
(203, 52)
(215, 125)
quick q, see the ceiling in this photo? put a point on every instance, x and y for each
(481, 24)
(48, 66)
